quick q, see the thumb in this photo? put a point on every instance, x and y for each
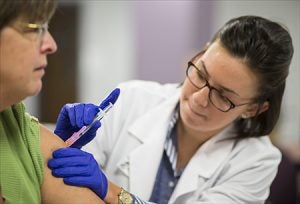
(111, 98)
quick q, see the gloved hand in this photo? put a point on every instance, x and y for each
(79, 168)
(72, 117)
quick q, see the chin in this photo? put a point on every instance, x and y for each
(195, 122)
(192, 121)
(195, 125)
(35, 91)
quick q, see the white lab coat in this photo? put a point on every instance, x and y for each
(129, 148)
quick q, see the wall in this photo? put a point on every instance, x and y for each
(169, 33)
(153, 40)
(107, 48)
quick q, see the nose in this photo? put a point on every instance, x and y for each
(201, 97)
(48, 44)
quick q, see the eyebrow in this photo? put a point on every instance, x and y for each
(222, 87)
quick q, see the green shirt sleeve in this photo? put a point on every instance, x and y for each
(21, 161)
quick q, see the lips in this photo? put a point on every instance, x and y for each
(40, 68)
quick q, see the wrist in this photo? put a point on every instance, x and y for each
(103, 185)
(125, 197)
(112, 195)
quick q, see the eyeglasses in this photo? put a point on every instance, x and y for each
(198, 79)
(32, 31)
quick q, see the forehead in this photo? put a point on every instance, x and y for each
(228, 71)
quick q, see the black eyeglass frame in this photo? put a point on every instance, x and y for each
(232, 105)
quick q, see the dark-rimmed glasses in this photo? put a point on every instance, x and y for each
(198, 80)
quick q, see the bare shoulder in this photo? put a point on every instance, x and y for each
(53, 189)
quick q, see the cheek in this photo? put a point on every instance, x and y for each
(225, 118)
(218, 120)
(13, 56)
(187, 90)
(16, 72)
(22, 63)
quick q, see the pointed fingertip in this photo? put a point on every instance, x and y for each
(112, 98)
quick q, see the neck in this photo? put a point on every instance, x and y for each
(189, 136)
(3, 105)
(189, 141)
(7, 100)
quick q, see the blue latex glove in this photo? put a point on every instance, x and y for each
(72, 117)
(79, 168)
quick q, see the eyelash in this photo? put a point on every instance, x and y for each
(31, 30)
(201, 76)
(34, 30)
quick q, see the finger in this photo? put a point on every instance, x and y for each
(88, 136)
(90, 112)
(67, 162)
(112, 98)
(71, 172)
(79, 110)
(95, 127)
(77, 181)
(71, 113)
(68, 152)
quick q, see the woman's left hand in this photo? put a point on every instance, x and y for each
(79, 168)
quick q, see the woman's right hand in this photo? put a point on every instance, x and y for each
(73, 117)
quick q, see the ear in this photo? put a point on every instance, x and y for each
(255, 109)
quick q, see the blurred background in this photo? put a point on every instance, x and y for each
(102, 43)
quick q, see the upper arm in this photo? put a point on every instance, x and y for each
(53, 189)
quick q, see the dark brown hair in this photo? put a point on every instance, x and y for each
(31, 11)
(266, 48)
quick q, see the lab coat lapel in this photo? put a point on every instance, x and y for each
(204, 164)
(151, 130)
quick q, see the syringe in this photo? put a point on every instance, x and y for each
(107, 104)
(84, 129)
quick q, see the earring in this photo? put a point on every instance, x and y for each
(244, 116)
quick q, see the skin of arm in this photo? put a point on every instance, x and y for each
(53, 189)
(112, 193)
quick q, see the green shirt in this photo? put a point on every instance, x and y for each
(21, 162)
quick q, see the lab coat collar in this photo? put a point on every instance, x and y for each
(204, 163)
(157, 117)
